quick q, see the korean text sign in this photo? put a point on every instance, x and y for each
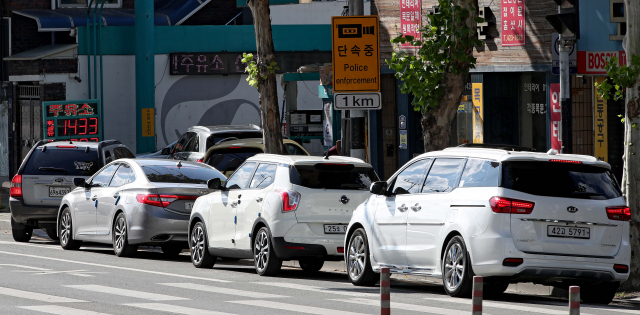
(410, 19)
(513, 22)
(478, 122)
(75, 120)
(556, 117)
(600, 127)
(355, 53)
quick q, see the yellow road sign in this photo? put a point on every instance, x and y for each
(355, 53)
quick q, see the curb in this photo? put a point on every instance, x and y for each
(5, 225)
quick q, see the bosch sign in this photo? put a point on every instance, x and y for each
(594, 62)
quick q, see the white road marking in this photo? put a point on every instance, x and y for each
(128, 293)
(515, 307)
(36, 296)
(114, 267)
(407, 307)
(294, 307)
(80, 273)
(175, 309)
(25, 267)
(599, 307)
(32, 245)
(59, 310)
(320, 289)
(207, 288)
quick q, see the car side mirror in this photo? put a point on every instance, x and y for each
(378, 188)
(165, 151)
(215, 183)
(80, 182)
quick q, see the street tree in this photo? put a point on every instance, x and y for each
(262, 75)
(623, 82)
(437, 72)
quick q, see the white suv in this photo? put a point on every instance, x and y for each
(508, 216)
(276, 208)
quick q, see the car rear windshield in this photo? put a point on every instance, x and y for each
(331, 176)
(63, 161)
(227, 160)
(184, 174)
(553, 179)
(215, 138)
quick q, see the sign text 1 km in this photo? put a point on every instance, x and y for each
(355, 53)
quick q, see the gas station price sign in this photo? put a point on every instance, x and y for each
(75, 120)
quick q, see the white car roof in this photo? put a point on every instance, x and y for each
(303, 159)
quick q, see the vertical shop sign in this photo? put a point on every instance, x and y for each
(555, 114)
(600, 125)
(477, 113)
(411, 19)
(328, 127)
(147, 122)
(513, 26)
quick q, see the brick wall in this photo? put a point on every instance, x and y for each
(33, 67)
(538, 32)
(29, 4)
(216, 12)
(54, 92)
(25, 36)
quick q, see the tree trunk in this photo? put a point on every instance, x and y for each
(267, 84)
(631, 173)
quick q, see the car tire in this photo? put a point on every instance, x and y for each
(21, 233)
(66, 231)
(200, 256)
(311, 264)
(51, 231)
(120, 238)
(457, 275)
(601, 293)
(265, 260)
(171, 249)
(358, 260)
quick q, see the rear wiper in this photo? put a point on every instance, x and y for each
(53, 169)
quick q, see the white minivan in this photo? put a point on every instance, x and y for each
(509, 216)
(277, 207)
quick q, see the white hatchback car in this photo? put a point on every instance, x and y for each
(505, 215)
(276, 208)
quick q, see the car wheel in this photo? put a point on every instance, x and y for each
(266, 261)
(358, 263)
(311, 264)
(21, 232)
(171, 249)
(200, 256)
(50, 229)
(66, 232)
(121, 245)
(456, 269)
(601, 293)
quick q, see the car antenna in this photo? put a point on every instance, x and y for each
(179, 165)
(326, 156)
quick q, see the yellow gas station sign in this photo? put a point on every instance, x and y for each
(355, 53)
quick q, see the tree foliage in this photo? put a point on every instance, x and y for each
(619, 78)
(252, 69)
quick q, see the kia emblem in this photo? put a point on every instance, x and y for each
(344, 200)
(572, 209)
(59, 180)
(203, 192)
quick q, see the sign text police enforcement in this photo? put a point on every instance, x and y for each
(355, 53)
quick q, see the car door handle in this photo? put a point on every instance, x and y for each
(94, 197)
(234, 204)
(116, 195)
(259, 199)
(417, 207)
(402, 208)
(239, 196)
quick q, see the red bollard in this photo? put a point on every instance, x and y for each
(476, 297)
(574, 300)
(385, 291)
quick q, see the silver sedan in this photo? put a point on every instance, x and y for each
(132, 202)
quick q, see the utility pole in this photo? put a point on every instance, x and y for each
(357, 143)
(145, 89)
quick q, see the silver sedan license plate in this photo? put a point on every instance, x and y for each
(335, 229)
(568, 231)
(58, 191)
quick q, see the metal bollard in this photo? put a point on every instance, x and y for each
(385, 291)
(574, 300)
(476, 296)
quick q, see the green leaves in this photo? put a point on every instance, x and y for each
(620, 78)
(253, 71)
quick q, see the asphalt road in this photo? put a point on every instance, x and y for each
(41, 278)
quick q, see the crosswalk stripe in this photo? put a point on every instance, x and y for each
(407, 307)
(59, 310)
(319, 289)
(207, 288)
(36, 296)
(294, 307)
(175, 309)
(32, 245)
(600, 308)
(125, 292)
(515, 307)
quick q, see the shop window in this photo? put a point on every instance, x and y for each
(582, 128)
(533, 110)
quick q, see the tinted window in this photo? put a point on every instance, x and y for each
(323, 176)
(123, 153)
(124, 175)
(107, 157)
(295, 150)
(63, 161)
(217, 137)
(443, 175)
(182, 142)
(194, 144)
(560, 180)
(480, 173)
(240, 178)
(410, 179)
(185, 174)
(228, 160)
(264, 176)
(103, 178)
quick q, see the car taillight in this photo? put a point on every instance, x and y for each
(340, 250)
(199, 160)
(507, 205)
(290, 200)
(16, 186)
(622, 213)
(621, 268)
(566, 161)
(512, 262)
(161, 200)
(67, 146)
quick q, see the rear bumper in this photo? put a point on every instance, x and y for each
(154, 225)
(22, 213)
(312, 235)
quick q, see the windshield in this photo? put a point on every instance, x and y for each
(63, 161)
(563, 180)
(217, 137)
(326, 176)
(228, 160)
(185, 174)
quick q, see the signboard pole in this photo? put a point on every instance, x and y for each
(564, 46)
(358, 149)
(145, 89)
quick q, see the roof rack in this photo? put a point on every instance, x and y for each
(506, 147)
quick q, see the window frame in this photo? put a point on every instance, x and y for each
(248, 183)
(455, 184)
(60, 5)
(117, 166)
(256, 171)
(120, 165)
(392, 181)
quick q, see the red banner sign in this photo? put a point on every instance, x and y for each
(513, 25)
(410, 19)
(556, 117)
(593, 62)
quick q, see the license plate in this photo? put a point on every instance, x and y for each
(188, 205)
(335, 229)
(567, 231)
(58, 191)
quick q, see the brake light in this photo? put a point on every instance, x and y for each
(290, 200)
(566, 161)
(340, 250)
(199, 160)
(161, 200)
(235, 147)
(512, 262)
(622, 213)
(67, 146)
(621, 268)
(294, 247)
(16, 186)
(507, 205)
